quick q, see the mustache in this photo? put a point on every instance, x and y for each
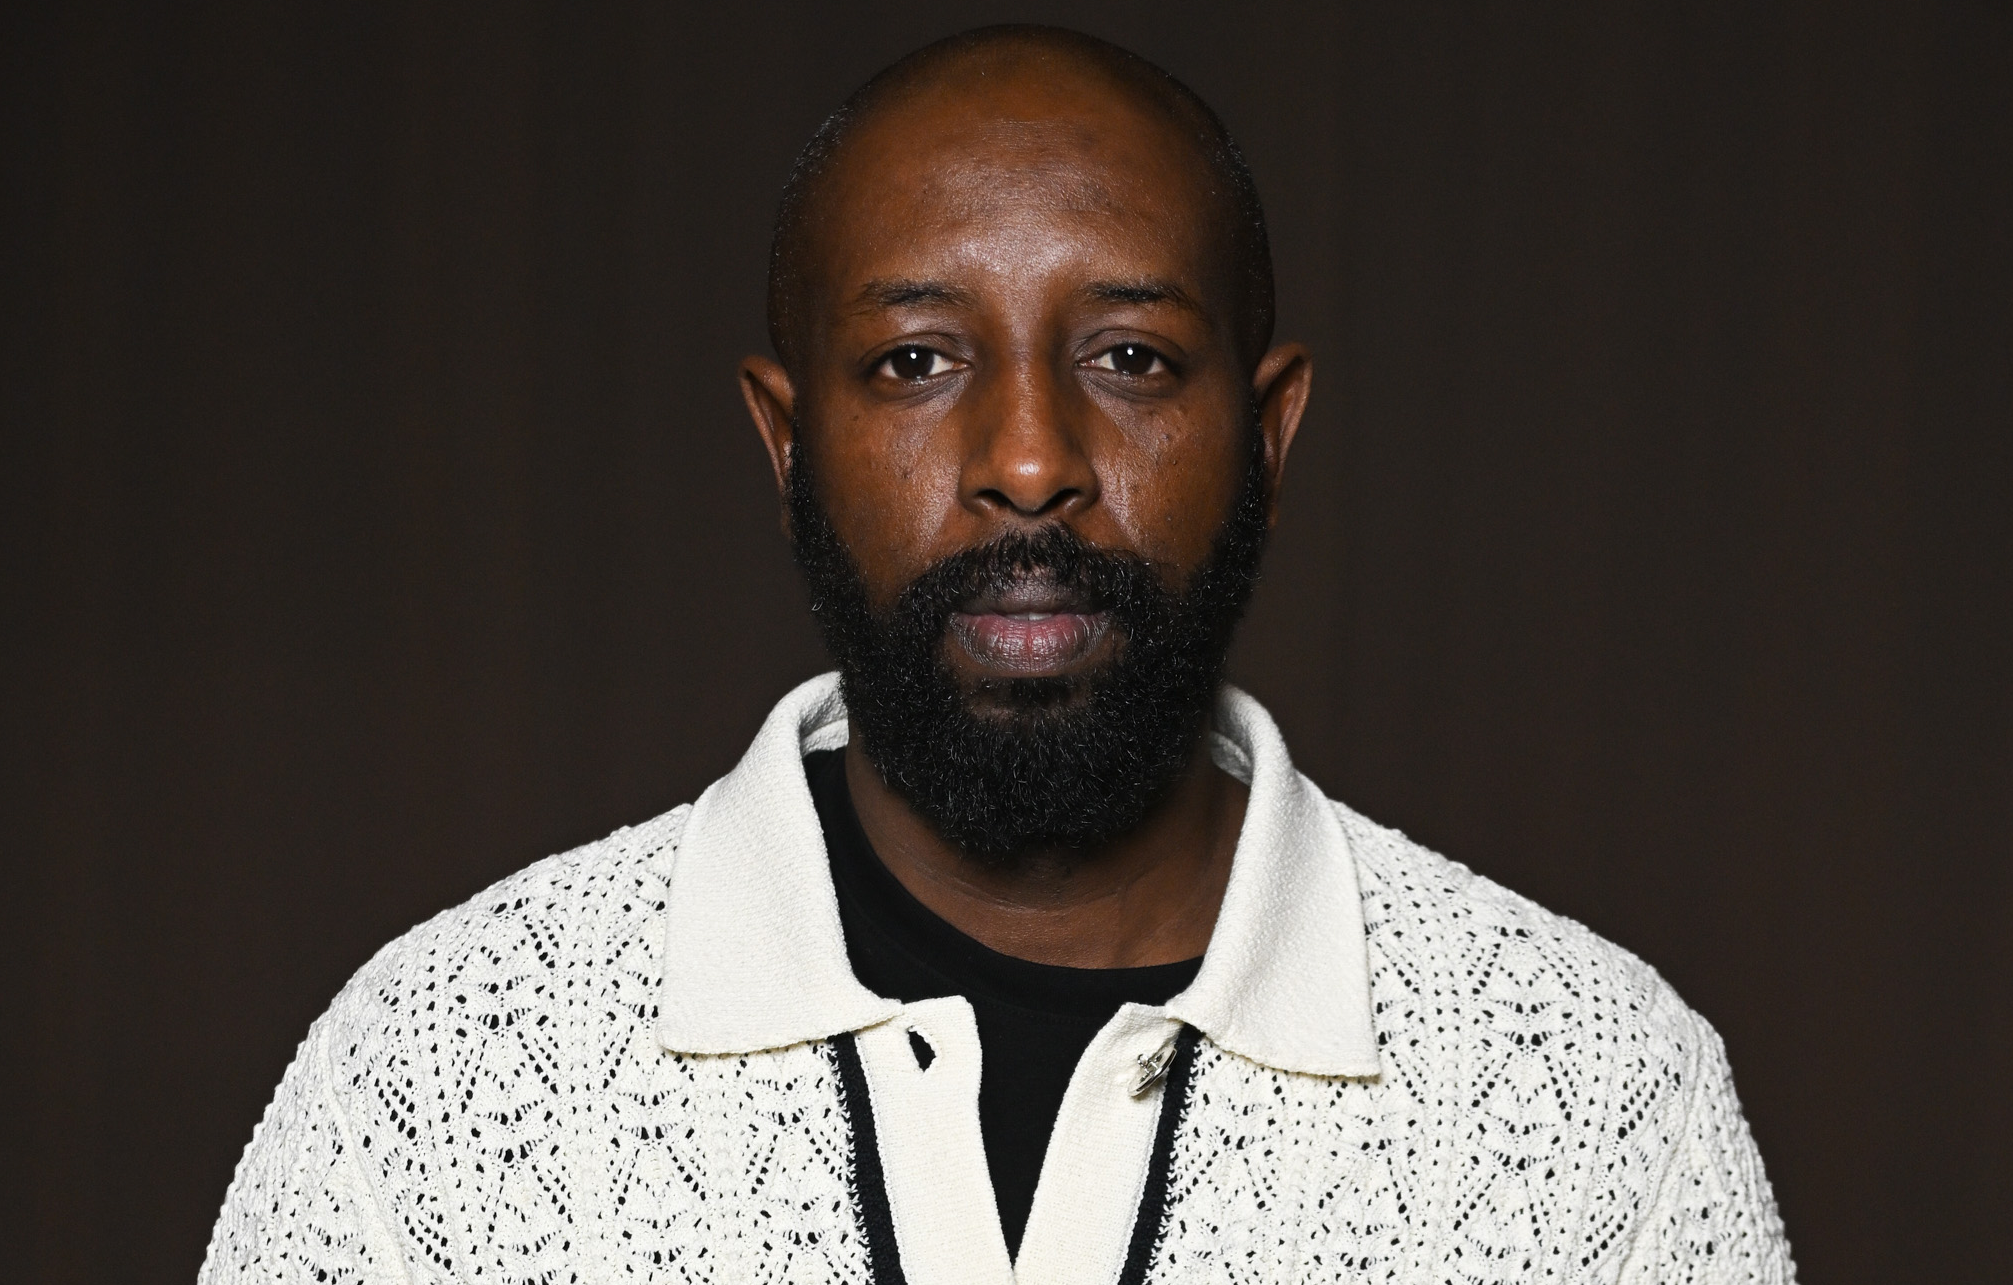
(1053, 556)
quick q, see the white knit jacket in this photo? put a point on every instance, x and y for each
(647, 1060)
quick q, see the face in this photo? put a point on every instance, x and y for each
(1031, 425)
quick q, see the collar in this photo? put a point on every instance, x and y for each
(754, 957)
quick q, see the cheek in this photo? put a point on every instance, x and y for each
(1171, 488)
(890, 495)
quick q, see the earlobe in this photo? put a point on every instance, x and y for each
(772, 403)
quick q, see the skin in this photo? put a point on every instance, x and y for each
(1021, 314)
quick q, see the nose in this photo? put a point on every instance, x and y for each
(1025, 453)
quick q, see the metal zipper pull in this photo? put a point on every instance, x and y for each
(1153, 1067)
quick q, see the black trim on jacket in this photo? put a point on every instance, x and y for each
(1151, 1220)
(870, 1188)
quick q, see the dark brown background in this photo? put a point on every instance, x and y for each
(381, 516)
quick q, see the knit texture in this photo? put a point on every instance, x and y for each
(1548, 1111)
(486, 1102)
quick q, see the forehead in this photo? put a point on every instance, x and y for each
(1013, 171)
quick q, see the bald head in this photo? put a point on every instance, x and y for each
(1013, 90)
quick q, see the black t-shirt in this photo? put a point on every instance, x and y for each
(1034, 1020)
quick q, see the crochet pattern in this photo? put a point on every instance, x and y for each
(486, 1101)
(1548, 1110)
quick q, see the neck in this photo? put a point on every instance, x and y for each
(1147, 897)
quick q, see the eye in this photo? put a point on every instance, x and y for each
(912, 362)
(1130, 359)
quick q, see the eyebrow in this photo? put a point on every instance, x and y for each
(899, 293)
(1144, 291)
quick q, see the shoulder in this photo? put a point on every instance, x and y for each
(569, 932)
(1498, 962)
(446, 1055)
(1502, 1024)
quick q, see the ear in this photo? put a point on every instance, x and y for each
(1281, 384)
(772, 404)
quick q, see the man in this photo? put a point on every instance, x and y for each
(1017, 950)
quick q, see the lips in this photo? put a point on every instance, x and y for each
(1029, 630)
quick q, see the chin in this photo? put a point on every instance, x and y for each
(1003, 700)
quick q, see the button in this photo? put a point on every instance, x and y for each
(1153, 1067)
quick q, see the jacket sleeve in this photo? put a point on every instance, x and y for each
(301, 1206)
(1713, 1217)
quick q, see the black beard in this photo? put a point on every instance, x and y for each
(1015, 766)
